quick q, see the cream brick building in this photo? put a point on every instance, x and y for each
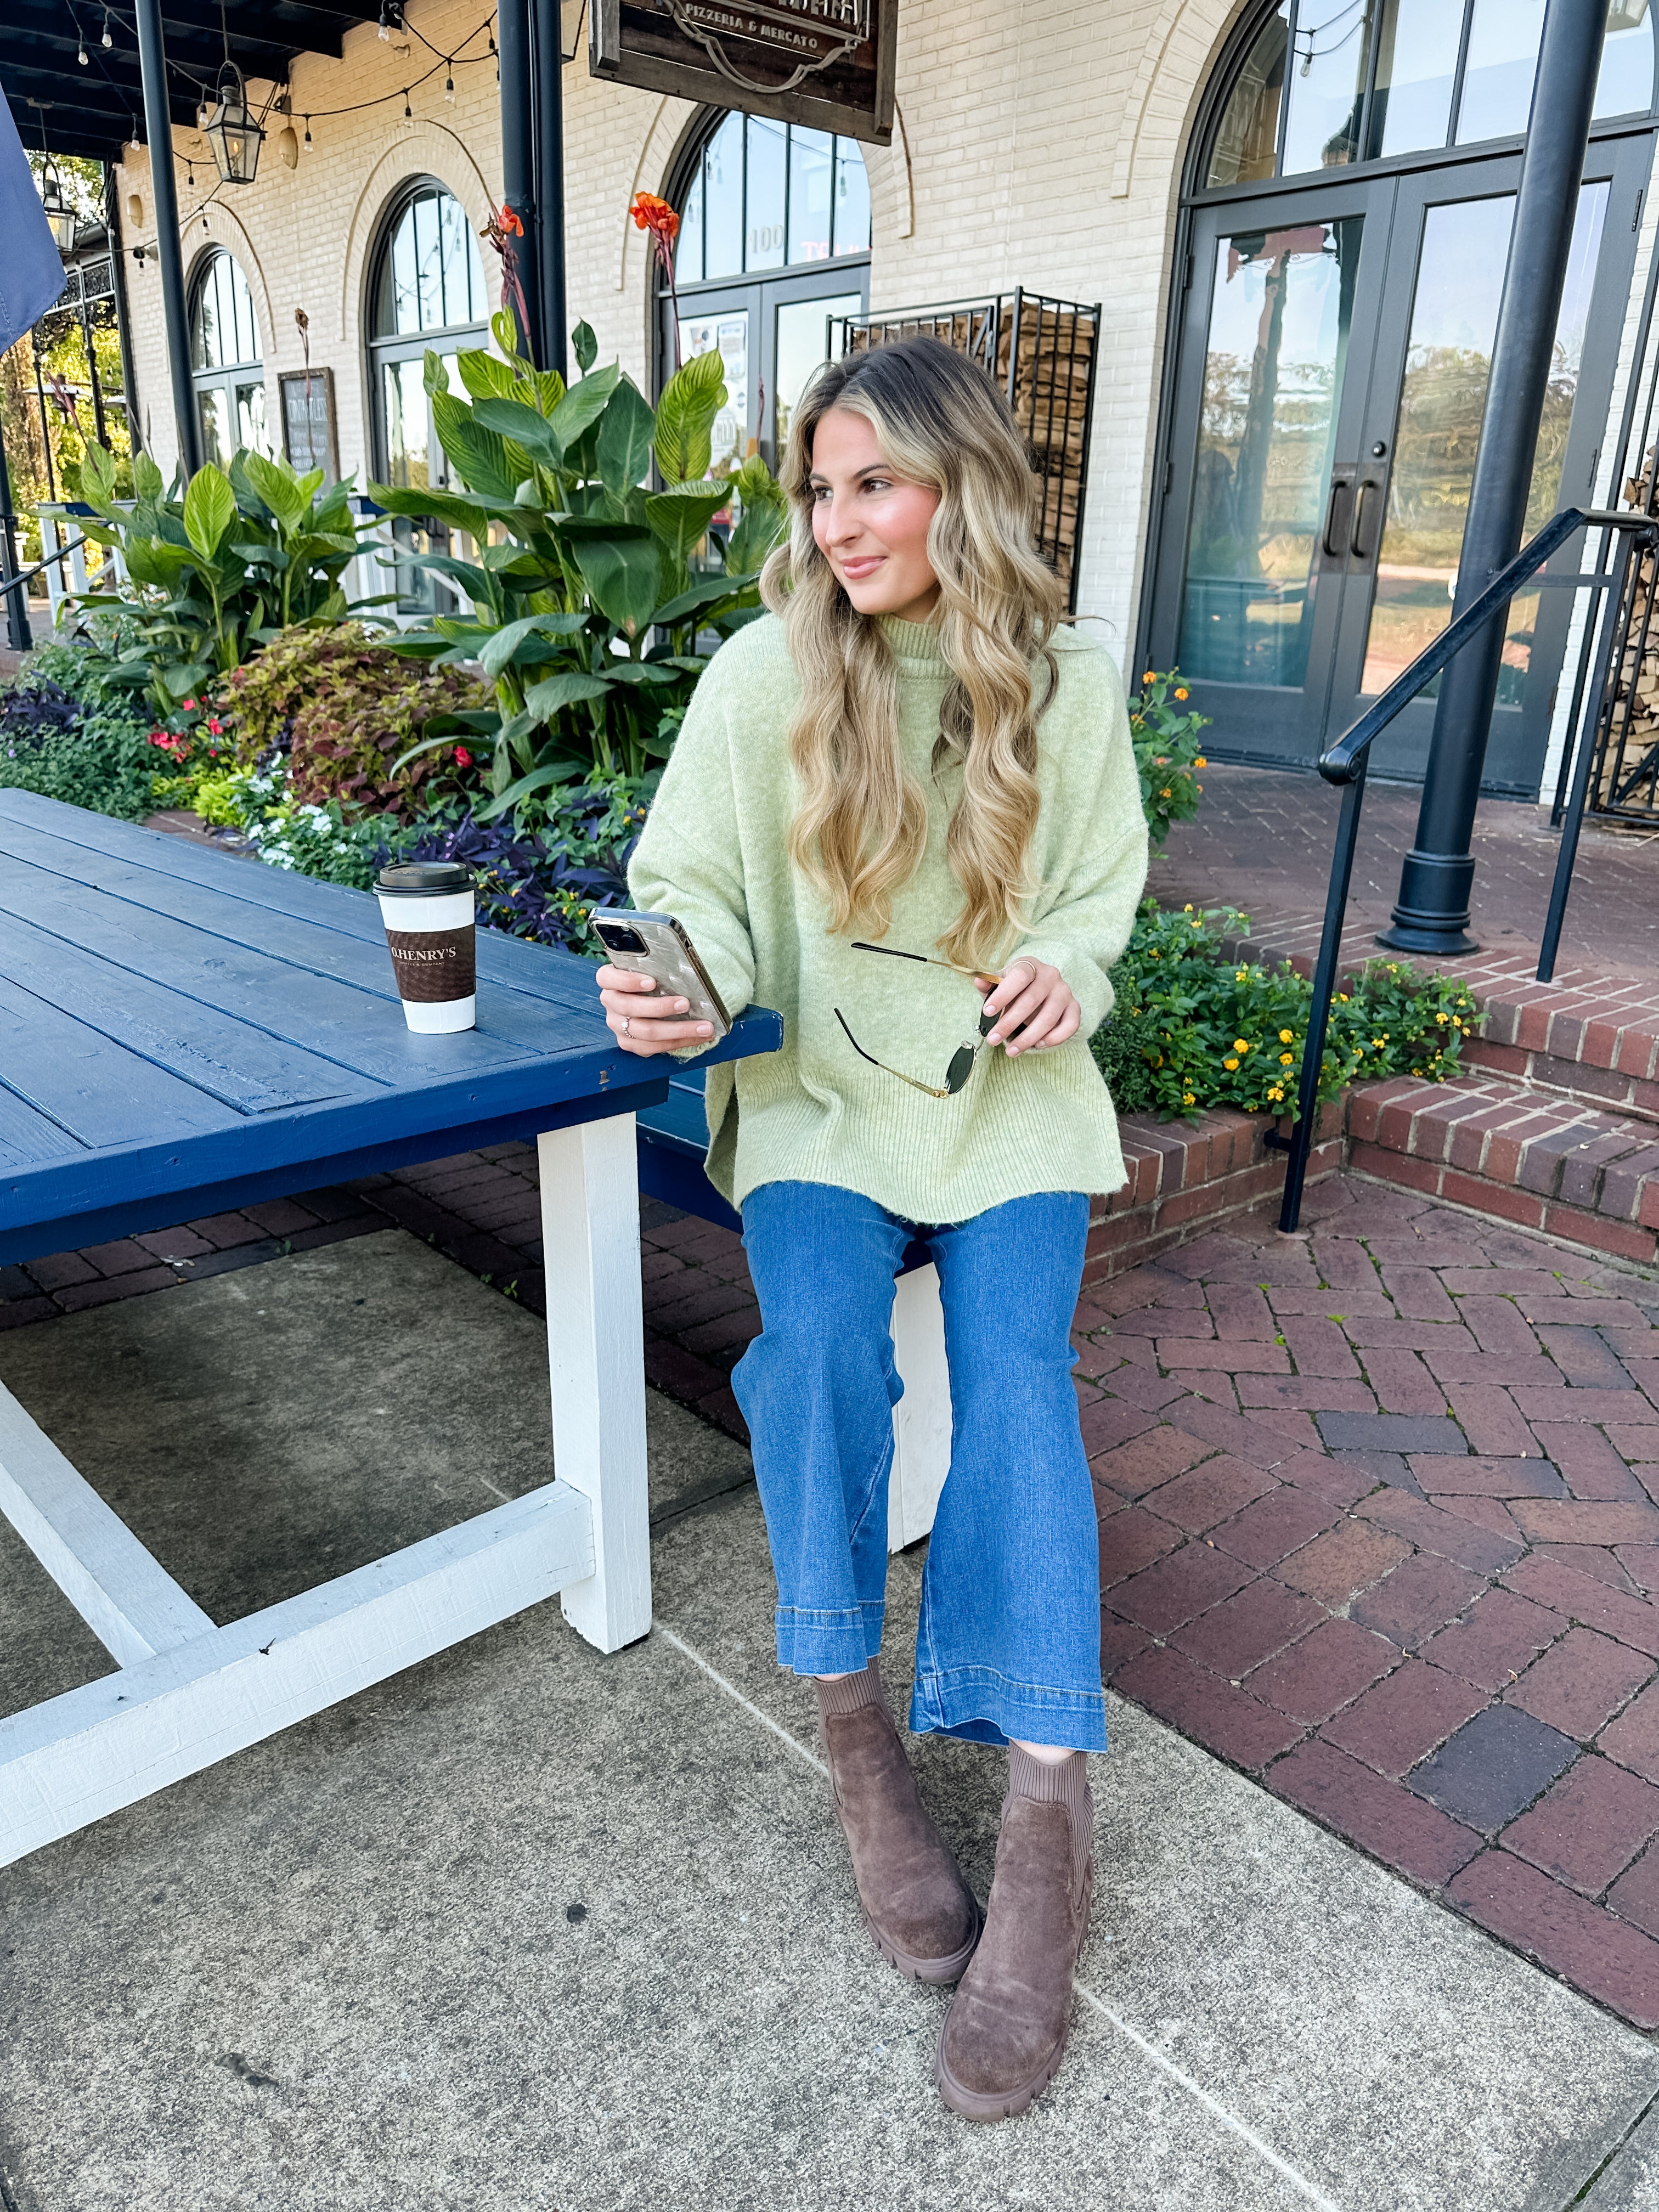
(1041, 143)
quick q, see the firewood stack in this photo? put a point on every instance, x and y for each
(1628, 761)
(1050, 344)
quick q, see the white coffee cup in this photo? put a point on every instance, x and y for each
(432, 935)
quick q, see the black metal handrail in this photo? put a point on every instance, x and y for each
(1345, 763)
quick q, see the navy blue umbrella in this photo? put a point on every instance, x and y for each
(31, 271)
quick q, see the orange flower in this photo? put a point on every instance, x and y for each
(1181, 691)
(510, 221)
(649, 213)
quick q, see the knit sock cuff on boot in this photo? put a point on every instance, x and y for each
(1058, 1782)
(851, 1693)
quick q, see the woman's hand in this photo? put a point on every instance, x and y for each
(646, 1028)
(1033, 1000)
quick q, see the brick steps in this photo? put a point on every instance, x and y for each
(1515, 1154)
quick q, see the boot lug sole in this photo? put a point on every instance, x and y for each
(935, 1972)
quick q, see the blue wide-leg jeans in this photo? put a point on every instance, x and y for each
(1008, 1645)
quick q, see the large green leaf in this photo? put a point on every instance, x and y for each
(585, 346)
(512, 419)
(98, 479)
(680, 517)
(282, 492)
(623, 576)
(485, 376)
(691, 398)
(479, 455)
(626, 431)
(471, 515)
(539, 778)
(498, 651)
(702, 594)
(151, 560)
(584, 404)
(147, 479)
(568, 688)
(209, 510)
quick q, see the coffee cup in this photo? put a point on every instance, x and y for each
(428, 909)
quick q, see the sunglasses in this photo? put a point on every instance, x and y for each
(962, 1060)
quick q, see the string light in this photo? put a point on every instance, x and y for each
(409, 112)
(81, 56)
(386, 27)
(107, 40)
(308, 136)
(449, 82)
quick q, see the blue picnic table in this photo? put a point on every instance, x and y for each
(181, 1033)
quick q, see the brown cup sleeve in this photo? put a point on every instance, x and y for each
(434, 966)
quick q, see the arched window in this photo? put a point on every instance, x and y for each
(774, 246)
(426, 291)
(1438, 73)
(225, 360)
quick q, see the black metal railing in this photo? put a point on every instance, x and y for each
(1345, 763)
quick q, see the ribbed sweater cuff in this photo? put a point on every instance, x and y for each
(851, 1693)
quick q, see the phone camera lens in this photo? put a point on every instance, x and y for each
(618, 938)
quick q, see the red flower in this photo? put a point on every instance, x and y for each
(463, 758)
(510, 221)
(215, 725)
(653, 215)
(191, 705)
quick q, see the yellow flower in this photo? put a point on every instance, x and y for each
(1164, 794)
(1286, 1059)
(1229, 1064)
(1378, 1043)
(1278, 1091)
(1241, 1044)
(1456, 1025)
(1188, 908)
(1181, 691)
(1287, 1036)
(1443, 1020)
(1201, 761)
(1343, 996)
(1186, 1099)
(1198, 925)
(1241, 975)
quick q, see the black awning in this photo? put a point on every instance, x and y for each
(94, 110)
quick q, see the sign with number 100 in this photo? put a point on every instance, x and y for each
(825, 64)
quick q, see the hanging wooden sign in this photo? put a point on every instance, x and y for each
(825, 63)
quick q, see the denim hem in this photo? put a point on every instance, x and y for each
(838, 1641)
(979, 1705)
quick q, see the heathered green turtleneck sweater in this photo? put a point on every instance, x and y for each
(714, 854)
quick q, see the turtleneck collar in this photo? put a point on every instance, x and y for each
(916, 645)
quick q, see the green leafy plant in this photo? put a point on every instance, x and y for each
(216, 573)
(342, 707)
(1166, 743)
(591, 593)
(1192, 1028)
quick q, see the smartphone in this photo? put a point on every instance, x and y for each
(655, 944)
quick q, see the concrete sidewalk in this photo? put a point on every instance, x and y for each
(527, 1927)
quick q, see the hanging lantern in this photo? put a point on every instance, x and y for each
(231, 132)
(60, 216)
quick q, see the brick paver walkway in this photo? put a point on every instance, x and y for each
(1263, 840)
(1377, 1516)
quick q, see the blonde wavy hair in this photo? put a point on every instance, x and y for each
(862, 823)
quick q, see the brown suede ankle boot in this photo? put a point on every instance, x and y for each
(1001, 2042)
(920, 1910)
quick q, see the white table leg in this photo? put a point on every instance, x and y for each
(921, 1418)
(596, 1356)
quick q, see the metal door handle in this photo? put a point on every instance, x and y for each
(1338, 486)
(1356, 543)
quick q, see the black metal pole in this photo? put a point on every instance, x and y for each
(549, 183)
(1432, 912)
(518, 102)
(169, 252)
(1304, 1134)
(17, 605)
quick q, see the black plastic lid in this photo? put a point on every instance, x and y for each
(424, 878)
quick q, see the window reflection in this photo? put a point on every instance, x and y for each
(766, 195)
(1273, 380)
(1304, 81)
(431, 272)
(1416, 72)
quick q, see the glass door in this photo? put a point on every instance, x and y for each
(1415, 466)
(1280, 325)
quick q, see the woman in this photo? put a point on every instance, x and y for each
(910, 757)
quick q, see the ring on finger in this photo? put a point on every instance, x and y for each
(626, 1019)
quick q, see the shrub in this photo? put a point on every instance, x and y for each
(88, 750)
(1192, 1028)
(341, 707)
(1166, 744)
